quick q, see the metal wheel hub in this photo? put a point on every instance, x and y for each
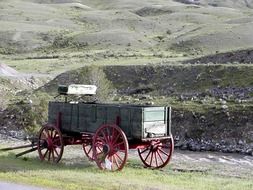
(106, 149)
(50, 144)
(154, 147)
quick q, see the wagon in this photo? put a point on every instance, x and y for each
(106, 131)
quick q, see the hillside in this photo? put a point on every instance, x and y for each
(195, 55)
(200, 28)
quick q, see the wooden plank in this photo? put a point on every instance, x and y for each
(84, 117)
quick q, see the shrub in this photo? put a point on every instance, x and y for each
(94, 75)
(29, 113)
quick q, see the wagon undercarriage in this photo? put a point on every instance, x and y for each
(108, 147)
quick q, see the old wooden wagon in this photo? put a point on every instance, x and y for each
(106, 131)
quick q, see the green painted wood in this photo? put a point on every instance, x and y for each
(137, 122)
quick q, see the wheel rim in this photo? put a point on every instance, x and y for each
(110, 148)
(158, 153)
(87, 148)
(50, 144)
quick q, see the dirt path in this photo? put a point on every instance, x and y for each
(12, 186)
(234, 165)
(214, 163)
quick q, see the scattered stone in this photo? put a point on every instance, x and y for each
(224, 107)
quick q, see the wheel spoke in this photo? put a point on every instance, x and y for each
(109, 135)
(44, 133)
(51, 133)
(116, 145)
(116, 161)
(99, 148)
(160, 157)
(56, 152)
(89, 150)
(147, 155)
(116, 139)
(48, 136)
(49, 155)
(144, 150)
(45, 154)
(156, 160)
(56, 140)
(163, 152)
(151, 159)
(113, 134)
(53, 155)
(105, 137)
(55, 134)
(118, 157)
(100, 139)
(112, 160)
(100, 143)
(164, 146)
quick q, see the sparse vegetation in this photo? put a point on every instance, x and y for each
(83, 175)
(28, 113)
(193, 56)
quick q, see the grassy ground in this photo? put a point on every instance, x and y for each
(76, 172)
(53, 38)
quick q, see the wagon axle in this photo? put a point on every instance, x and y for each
(106, 149)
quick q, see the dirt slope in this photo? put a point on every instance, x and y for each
(5, 70)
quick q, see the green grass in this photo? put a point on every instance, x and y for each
(202, 106)
(71, 174)
(69, 59)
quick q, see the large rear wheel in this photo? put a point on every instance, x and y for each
(110, 148)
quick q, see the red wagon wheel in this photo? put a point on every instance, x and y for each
(110, 147)
(158, 153)
(50, 144)
(87, 148)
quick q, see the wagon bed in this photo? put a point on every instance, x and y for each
(138, 122)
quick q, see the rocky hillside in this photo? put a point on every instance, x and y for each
(195, 55)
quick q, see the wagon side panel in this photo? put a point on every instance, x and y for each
(125, 121)
(66, 116)
(87, 117)
(136, 123)
(66, 112)
(53, 110)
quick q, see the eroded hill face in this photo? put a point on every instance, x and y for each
(190, 27)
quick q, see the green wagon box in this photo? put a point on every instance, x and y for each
(137, 121)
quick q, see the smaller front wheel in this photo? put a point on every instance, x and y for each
(110, 148)
(50, 144)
